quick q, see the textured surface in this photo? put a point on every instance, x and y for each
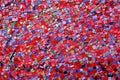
(59, 39)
